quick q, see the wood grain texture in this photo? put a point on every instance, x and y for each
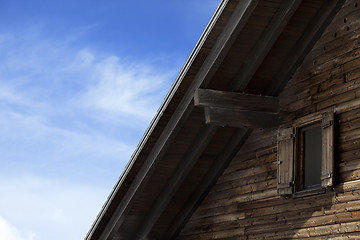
(237, 118)
(285, 161)
(245, 196)
(235, 101)
(328, 146)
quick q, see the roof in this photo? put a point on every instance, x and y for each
(250, 48)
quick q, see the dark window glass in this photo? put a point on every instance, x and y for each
(313, 156)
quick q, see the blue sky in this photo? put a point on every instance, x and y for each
(80, 82)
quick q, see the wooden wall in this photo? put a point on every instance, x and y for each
(244, 203)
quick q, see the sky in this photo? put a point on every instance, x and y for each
(80, 82)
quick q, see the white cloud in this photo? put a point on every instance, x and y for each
(43, 71)
(9, 232)
(7, 95)
(47, 208)
(68, 120)
(121, 88)
(63, 143)
(79, 100)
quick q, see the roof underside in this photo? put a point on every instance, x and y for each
(250, 46)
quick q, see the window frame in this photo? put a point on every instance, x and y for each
(289, 178)
(299, 158)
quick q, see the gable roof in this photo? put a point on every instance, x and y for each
(249, 46)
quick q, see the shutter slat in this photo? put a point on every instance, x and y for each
(327, 169)
(285, 161)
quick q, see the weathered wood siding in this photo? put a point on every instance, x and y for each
(244, 202)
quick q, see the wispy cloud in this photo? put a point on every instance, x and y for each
(59, 102)
(9, 232)
(59, 89)
(45, 70)
(33, 204)
(70, 119)
(129, 89)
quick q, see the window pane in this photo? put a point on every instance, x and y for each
(313, 149)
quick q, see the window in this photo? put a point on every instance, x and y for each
(308, 160)
(306, 155)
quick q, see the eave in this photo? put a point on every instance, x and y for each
(181, 156)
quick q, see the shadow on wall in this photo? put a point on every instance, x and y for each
(244, 204)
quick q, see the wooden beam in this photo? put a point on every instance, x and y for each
(181, 172)
(235, 25)
(239, 84)
(221, 163)
(260, 51)
(303, 46)
(239, 118)
(233, 28)
(220, 49)
(238, 19)
(235, 101)
(265, 43)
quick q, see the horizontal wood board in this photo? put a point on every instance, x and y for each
(244, 203)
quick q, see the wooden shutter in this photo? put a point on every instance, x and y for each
(285, 163)
(327, 168)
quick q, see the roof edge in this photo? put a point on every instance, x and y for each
(159, 113)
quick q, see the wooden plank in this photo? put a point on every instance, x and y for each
(245, 159)
(349, 145)
(300, 207)
(246, 188)
(328, 44)
(255, 188)
(265, 43)
(239, 199)
(327, 165)
(238, 118)
(236, 23)
(329, 74)
(276, 206)
(263, 141)
(349, 165)
(338, 99)
(250, 171)
(352, 175)
(333, 51)
(346, 21)
(244, 10)
(306, 42)
(234, 172)
(285, 161)
(237, 232)
(223, 235)
(337, 89)
(322, 211)
(235, 101)
(244, 83)
(300, 223)
(246, 202)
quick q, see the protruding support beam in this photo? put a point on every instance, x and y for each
(239, 118)
(235, 101)
(235, 24)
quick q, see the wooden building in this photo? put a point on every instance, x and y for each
(259, 137)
